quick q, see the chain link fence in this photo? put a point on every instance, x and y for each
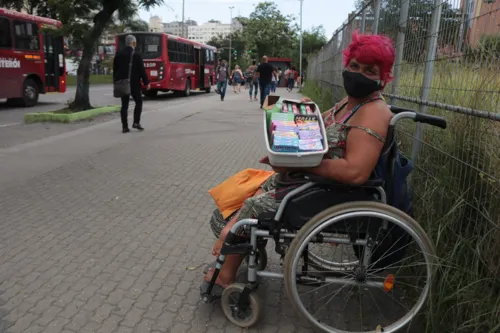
(447, 64)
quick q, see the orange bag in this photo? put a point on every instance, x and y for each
(230, 195)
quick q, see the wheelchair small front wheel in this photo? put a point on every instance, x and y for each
(242, 315)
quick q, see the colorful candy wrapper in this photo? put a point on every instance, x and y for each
(310, 135)
(310, 145)
(303, 109)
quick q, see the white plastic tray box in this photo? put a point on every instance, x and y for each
(297, 159)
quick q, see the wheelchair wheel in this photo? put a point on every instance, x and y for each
(245, 316)
(344, 259)
(368, 297)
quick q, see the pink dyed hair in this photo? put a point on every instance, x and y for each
(373, 50)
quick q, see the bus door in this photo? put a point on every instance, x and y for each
(53, 49)
(201, 66)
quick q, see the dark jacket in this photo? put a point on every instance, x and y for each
(120, 68)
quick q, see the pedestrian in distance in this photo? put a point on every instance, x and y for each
(265, 74)
(222, 73)
(253, 80)
(128, 69)
(237, 77)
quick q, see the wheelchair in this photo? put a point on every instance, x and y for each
(381, 241)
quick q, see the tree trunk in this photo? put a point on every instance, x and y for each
(82, 95)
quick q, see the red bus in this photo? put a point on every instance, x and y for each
(174, 63)
(31, 58)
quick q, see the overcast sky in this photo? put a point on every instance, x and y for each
(330, 13)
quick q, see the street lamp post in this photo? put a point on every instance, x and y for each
(230, 35)
(300, 52)
(183, 27)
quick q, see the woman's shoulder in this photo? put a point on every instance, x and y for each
(377, 111)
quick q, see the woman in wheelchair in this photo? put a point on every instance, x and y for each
(356, 129)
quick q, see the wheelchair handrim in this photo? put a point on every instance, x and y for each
(363, 213)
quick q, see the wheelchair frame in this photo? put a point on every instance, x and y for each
(266, 227)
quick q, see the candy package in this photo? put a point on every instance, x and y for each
(281, 144)
(310, 135)
(310, 145)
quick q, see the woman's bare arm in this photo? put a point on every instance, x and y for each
(363, 149)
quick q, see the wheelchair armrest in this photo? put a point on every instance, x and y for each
(325, 181)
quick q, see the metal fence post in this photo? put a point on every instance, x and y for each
(400, 45)
(342, 46)
(428, 73)
(363, 19)
(376, 16)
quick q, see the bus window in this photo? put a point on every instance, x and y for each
(181, 52)
(148, 46)
(212, 57)
(26, 36)
(206, 56)
(172, 50)
(190, 53)
(5, 36)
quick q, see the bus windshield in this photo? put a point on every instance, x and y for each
(148, 46)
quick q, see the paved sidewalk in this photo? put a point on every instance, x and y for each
(105, 232)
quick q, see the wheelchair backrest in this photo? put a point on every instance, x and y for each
(394, 169)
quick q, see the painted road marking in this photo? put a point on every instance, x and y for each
(11, 124)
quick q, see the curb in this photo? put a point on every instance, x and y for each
(52, 116)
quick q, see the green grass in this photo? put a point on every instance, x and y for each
(94, 79)
(455, 192)
(66, 116)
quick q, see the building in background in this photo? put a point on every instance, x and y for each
(176, 27)
(155, 24)
(203, 33)
(481, 19)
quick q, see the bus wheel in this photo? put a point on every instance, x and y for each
(30, 93)
(151, 93)
(187, 91)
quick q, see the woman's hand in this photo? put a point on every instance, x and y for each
(306, 100)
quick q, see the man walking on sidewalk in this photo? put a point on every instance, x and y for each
(129, 64)
(222, 74)
(265, 74)
(252, 80)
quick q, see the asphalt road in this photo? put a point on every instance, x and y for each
(100, 95)
(13, 131)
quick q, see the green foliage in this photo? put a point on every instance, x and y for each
(268, 32)
(238, 45)
(487, 50)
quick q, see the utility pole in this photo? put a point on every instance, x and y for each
(230, 36)
(300, 52)
(183, 24)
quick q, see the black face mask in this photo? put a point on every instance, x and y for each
(359, 86)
